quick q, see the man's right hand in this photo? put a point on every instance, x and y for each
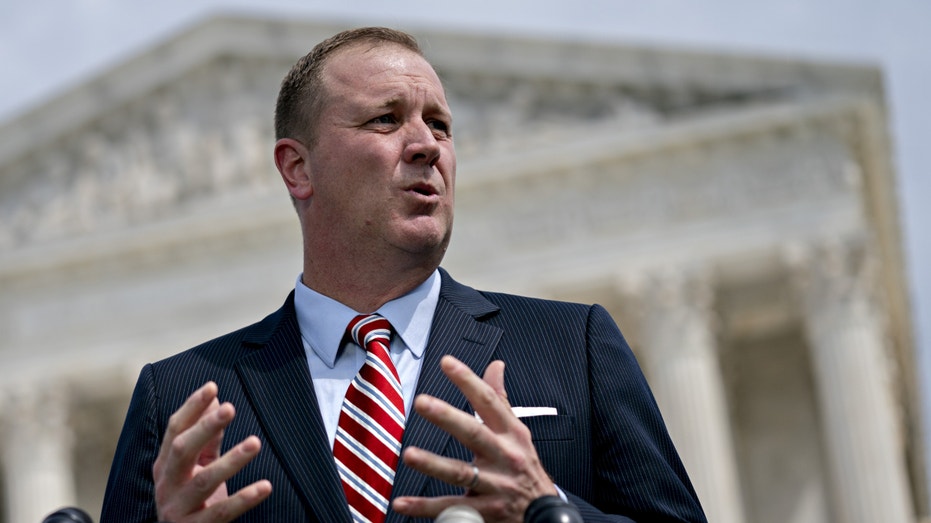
(190, 474)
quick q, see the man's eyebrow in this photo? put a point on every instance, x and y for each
(437, 108)
(390, 103)
(444, 112)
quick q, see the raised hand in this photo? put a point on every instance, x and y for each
(190, 474)
(505, 475)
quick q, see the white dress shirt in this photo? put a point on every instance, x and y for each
(333, 364)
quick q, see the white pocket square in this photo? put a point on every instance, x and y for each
(527, 412)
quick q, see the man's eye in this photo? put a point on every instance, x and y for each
(439, 126)
(383, 119)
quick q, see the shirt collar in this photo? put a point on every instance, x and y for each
(323, 320)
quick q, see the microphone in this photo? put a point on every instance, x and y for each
(551, 509)
(459, 514)
(68, 515)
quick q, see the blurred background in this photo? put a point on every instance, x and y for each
(743, 186)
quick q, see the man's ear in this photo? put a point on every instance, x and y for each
(291, 158)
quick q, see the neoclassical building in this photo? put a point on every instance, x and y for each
(736, 214)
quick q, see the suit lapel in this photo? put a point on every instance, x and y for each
(456, 330)
(277, 381)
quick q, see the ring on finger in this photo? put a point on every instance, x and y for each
(474, 483)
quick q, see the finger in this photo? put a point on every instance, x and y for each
(487, 402)
(459, 424)
(211, 449)
(186, 416)
(453, 471)
(236, 505)
(204, 437)
(207, 479)
(494, 376)
(428, 507)
(207, 486)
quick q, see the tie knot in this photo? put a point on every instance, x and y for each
(364, 329)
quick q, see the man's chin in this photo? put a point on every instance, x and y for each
(429, 244)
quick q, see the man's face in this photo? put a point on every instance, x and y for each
(383, 164)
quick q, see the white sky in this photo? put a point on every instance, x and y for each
(48, 45)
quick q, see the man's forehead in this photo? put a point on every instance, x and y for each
(361, 65)
(371, 55)
(357, 53)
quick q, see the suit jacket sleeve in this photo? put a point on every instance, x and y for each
(637, 471)
(130, 494)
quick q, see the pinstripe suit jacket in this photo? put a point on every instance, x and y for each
(607, 448)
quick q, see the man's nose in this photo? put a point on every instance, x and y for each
(422, 146)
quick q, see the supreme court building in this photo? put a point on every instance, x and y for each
(736, 214)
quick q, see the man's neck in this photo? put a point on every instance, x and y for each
(364, 290)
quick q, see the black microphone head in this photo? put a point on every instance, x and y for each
(551, 509)
(68, 515)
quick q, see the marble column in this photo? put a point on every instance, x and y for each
(680, 355)
(36, 454)
(851, 362)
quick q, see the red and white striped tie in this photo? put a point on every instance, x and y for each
(371, 423)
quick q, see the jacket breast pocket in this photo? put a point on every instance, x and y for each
(551, 428)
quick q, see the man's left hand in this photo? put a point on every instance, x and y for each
(510, 474)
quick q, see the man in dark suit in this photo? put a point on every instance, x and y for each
(365, 148)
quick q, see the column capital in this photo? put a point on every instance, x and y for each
(835, 270)
(33, 411)
(674, 305)
(836, 284)
(670, 286)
